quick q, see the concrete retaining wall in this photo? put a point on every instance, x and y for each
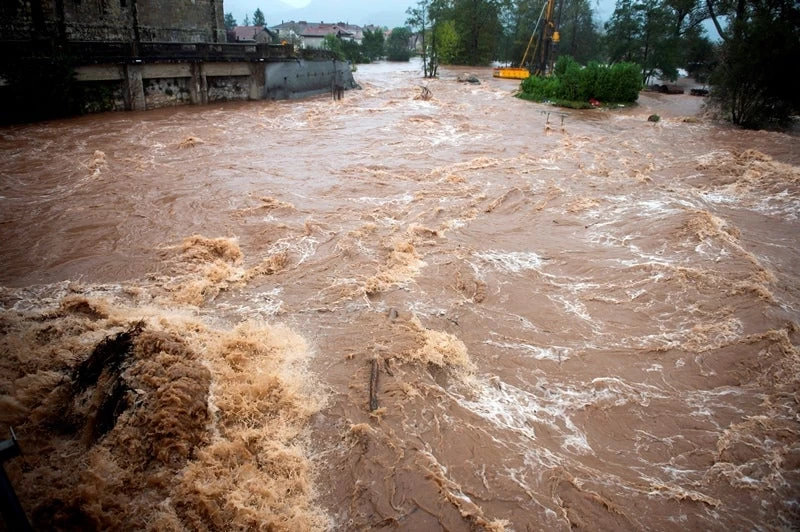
(300, 79)
(155, 85)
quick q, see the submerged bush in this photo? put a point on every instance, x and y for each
(617, 83)
(539, 88)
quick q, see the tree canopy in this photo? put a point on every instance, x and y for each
(397, 45)
(230, 22)
(258, 18)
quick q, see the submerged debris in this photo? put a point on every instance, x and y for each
(468, 78)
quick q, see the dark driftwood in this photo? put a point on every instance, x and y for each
(373, 386)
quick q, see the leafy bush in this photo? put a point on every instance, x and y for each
(623, 83)
(539, 88)
(571, 83)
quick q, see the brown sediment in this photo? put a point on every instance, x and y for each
(208, 266)
(747, 170)
(197, 248)
(98, 162)
(269, 203)
(402, 264)
(645, 359)
(582, 508)
(471, 287)
(202, 440)
(703, 224)
(190, 142)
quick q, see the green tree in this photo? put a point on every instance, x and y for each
(332, 43)
(230, 22)
(761, 43)
(700, 54)
(419, 20)
(352, 51)
(447, 42)
(580, 37)
(258, 18)
(478, 26)
(643, 31)
(246, 21)
(397, 45)
(372, 44)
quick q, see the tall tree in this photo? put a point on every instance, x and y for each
(246, 21)
(230, 22)
(446, 42)
(478, 26)
(397, 45)
(372, 44)
(519, 19)
(258, 18)
(580, 37)
(761, 43)
(332, 43)
(643, 32)
(419, 20)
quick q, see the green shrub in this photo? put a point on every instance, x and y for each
(569, 75)
(627, 82)
(540, 89)
(573, 84)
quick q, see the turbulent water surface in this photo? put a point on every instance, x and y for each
(457, 313)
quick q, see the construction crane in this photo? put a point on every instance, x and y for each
(546, 47)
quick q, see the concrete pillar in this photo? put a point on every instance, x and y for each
(256, 81)
(198, 87)
(134, 88)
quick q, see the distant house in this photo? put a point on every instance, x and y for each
(260, 34)
(312, 34)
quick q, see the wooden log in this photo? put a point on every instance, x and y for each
(373, 386)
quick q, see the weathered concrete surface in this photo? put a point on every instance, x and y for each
(300, 79)
(154, 85)
(123, 21)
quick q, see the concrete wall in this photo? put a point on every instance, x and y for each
(300, 79)
(113, 20)
(156, 85)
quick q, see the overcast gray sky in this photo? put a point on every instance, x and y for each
(391, 13)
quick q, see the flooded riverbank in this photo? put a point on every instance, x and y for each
(571, 319)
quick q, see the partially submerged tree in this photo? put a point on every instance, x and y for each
(419, 20)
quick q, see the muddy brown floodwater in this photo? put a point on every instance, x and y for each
(575, 320)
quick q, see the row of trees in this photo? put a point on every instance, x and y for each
(374, 45)
(747, 67)
(258, 20)
(758, 41)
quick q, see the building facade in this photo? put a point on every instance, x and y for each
(134, 21)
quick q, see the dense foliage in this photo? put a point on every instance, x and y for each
(570, 82)
(397, 48)
(230, 22)
(752, 84)
(372, 45)
(258, 18)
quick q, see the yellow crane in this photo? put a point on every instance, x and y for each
(547, 38)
